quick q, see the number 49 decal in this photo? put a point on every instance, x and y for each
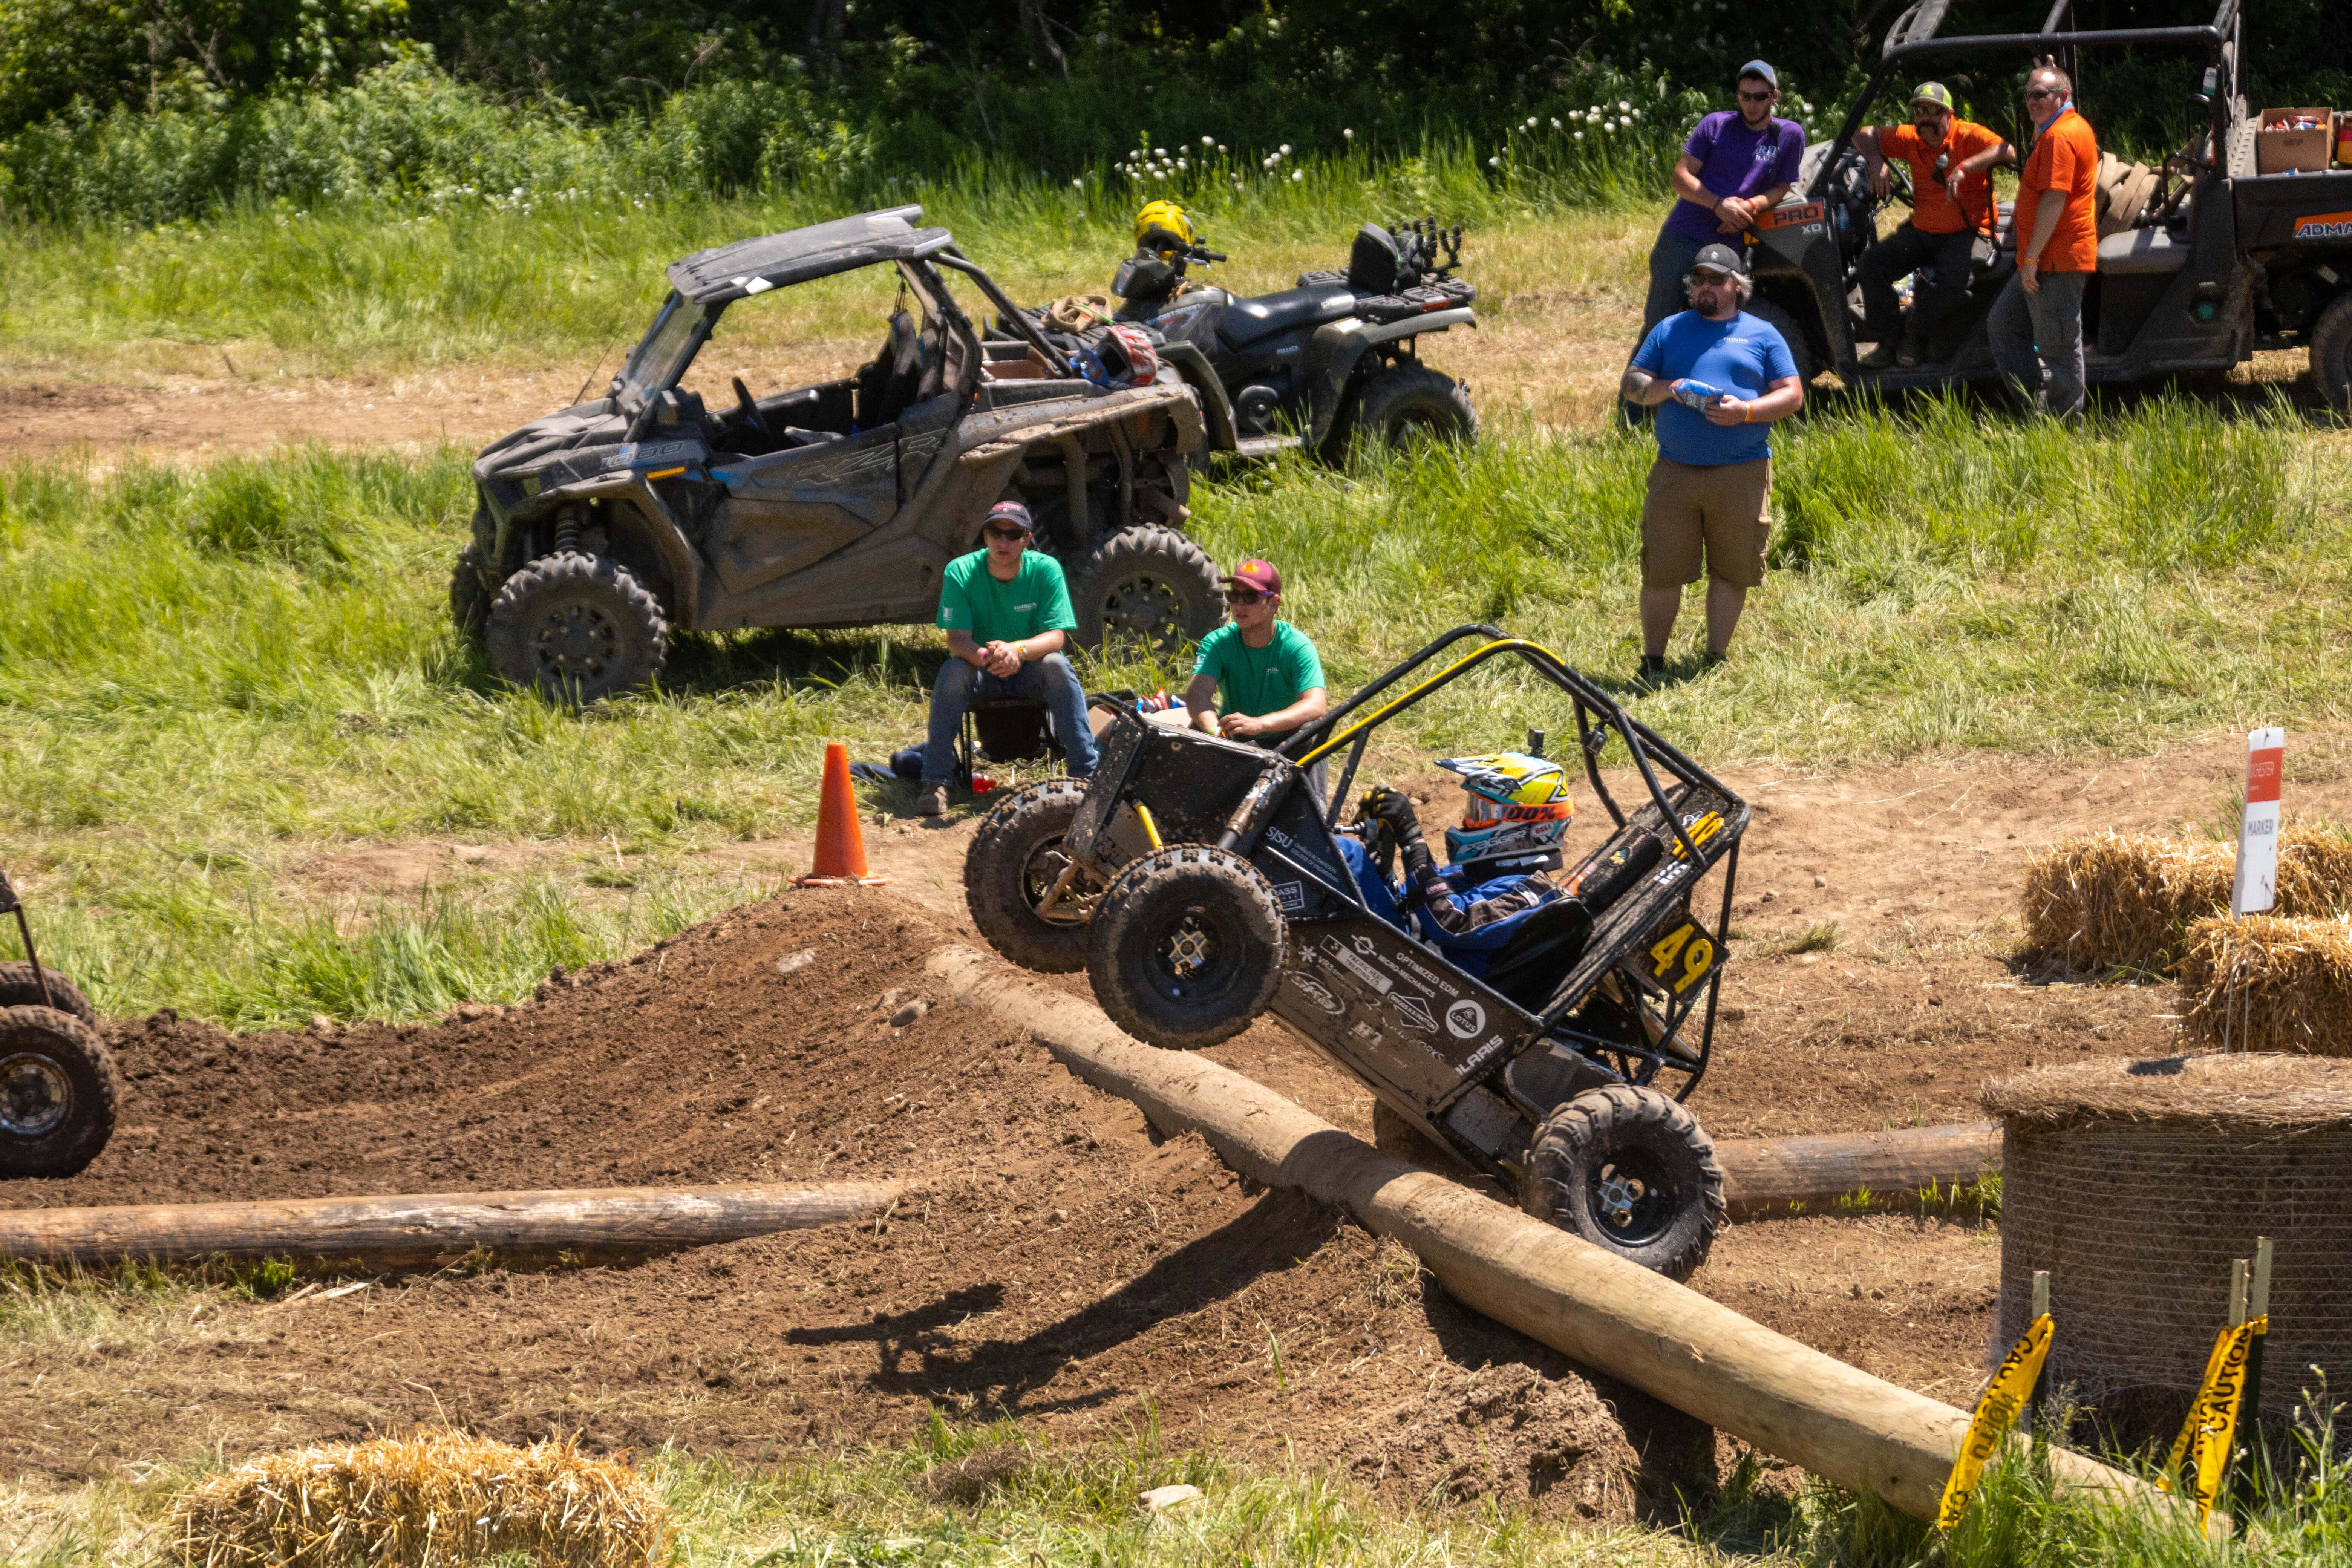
(1682, 958)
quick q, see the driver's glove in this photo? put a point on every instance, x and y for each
(1392, 809)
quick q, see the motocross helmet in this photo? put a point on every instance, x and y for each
(1516, 815)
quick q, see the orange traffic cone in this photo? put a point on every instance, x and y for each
(840, 846)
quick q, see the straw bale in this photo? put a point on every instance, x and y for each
(2111, 900)
(2136, 1184)
(434, 1500)
(2263, 984)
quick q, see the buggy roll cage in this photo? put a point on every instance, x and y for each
(1597, 713)
(1912, 38)
(1311, 744)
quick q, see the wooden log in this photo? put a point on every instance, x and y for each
(433, 1229)
(1765, 1175)
(1665, 1339)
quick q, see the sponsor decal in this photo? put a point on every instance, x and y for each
(1464, 1019)
(1358, 967)
(1788, 217)
(1415, 1011)
(1315, 991)
(1366, 1033)
(1291, 896)
(1482, 1056)
(2324, 225)
(634, 454)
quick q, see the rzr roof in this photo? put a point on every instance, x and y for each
(779, 260)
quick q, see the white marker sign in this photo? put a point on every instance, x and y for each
(2257, 884)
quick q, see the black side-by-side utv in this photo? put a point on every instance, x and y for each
(1199, 882)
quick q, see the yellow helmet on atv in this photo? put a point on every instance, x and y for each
(1163, 217)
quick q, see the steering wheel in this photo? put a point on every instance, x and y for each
(749, 408)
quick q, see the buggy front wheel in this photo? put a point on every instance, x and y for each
(1628, 1169)
(1187, 947)
(1016, 861)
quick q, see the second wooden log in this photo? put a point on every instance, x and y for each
(1764, 1177)
(433, 1229)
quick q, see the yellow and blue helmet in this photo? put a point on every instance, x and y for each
(1518, 806)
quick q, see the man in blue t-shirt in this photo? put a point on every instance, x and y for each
(1734, 167)
(1718, 377)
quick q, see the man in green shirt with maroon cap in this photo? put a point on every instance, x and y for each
(1267, 671)
(1006, 611)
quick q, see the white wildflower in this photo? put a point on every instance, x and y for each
(1285, 149)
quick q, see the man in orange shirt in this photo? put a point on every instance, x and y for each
(1951, 203)
(2037, 323)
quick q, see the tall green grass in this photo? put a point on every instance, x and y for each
(211, 676)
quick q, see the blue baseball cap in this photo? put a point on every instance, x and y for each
(1758, 67)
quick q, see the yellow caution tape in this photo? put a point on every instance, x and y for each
(1997, 1411)
(2206, 1437)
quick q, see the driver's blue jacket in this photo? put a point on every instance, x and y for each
(1470, 951)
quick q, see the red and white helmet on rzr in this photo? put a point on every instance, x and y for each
(1518, 805)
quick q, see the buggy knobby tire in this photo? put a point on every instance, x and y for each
(1784, 322)
(18, 989)
(1407, 402)
(1014, 861)
(2331, 354)
(1186, 947)
(1148, 584)
(469, 601)
(57, 1093)
(1629, 1170)
(578, 628)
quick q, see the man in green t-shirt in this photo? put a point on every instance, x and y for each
(1006, 611)
(1266, 670)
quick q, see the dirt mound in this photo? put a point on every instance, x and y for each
(1063, 1265)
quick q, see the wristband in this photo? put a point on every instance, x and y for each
(1746, 409)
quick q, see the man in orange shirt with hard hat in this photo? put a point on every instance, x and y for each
(1951, 205)
(2036, 325)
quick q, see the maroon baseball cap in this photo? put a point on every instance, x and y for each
(1258, 574)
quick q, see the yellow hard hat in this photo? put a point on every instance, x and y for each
(1164, 215)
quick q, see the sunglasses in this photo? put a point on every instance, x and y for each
(1766, 96)
(1710, 278)
(1005, 533)
(2033, 93)
(1243, 596)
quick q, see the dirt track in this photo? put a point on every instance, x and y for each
(1063, 1265)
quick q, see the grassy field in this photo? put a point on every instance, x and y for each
(212, 677)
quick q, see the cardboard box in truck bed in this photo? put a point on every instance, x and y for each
(2294, 140)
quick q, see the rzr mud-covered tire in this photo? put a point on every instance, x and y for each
(1410, 403)
(57, 1093)
(1186, 947)
(1014, 862)
(579, 627)
(1784, 322)
(1148, 584)
(2331, 355)
(1629, 1170)
(469, 601)
(18, 989)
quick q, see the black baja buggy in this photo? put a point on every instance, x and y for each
(58, 1081)
(1199, 884)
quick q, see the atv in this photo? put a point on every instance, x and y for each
(1315, 366)
(601, 530)
(1199, 884)
(58, 1081)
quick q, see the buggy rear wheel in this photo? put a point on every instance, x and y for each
(18, 989)
(1014, 862)
(1187, 947)
(1630, 1171)
(58, 1091)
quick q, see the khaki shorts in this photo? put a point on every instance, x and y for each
(1720, 510)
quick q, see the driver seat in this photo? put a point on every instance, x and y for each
(890, 382)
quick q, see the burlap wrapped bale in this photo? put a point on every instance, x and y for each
(2262, 984)
(2136, 1184)
(2125, 901)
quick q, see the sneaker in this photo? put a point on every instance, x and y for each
(1715, 660)
(1908, 355)
(1879, 357)
(931, 800)
(1654, 668)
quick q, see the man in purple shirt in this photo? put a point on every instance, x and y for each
(1734, 167)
